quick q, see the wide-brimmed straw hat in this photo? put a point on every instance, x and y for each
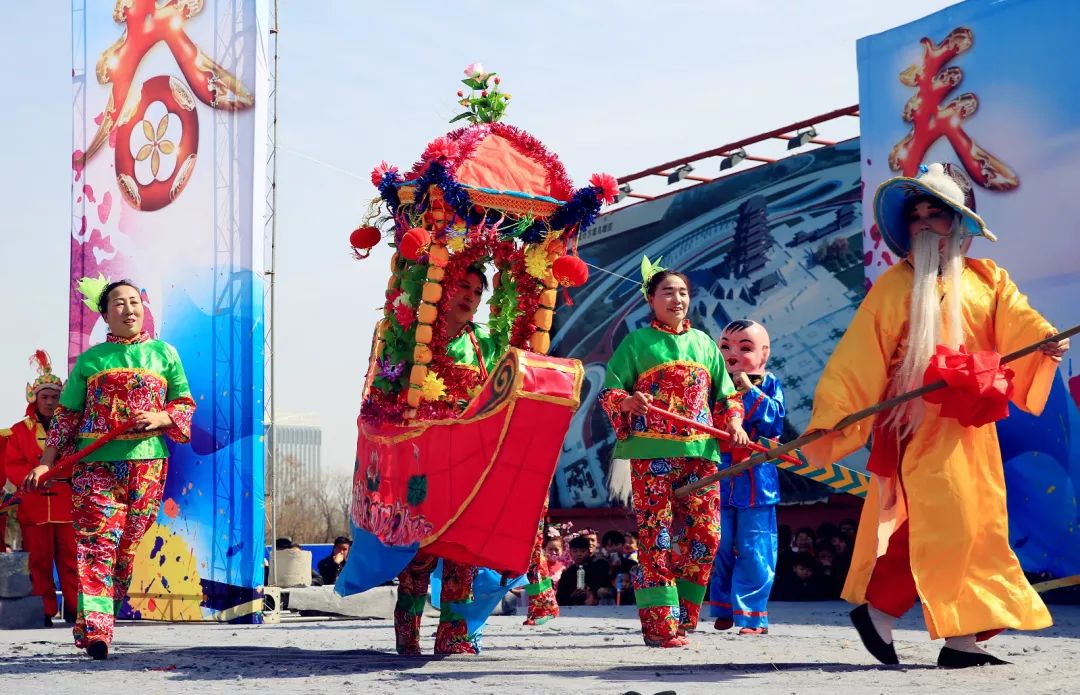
(946, 182)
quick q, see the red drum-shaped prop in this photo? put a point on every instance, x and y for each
(170, 160)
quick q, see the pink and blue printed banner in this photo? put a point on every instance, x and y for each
(167, 190)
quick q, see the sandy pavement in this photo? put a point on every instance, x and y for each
(811, 649)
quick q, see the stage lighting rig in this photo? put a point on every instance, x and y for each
(733, 159)
(679, 174)
(802, 138)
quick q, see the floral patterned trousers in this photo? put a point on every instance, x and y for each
(114, 503)
(452, 636)
(542, 604)
(673, 571)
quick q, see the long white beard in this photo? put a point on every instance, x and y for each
(926, 324)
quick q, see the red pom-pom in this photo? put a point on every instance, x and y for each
(607, 185)
(414, 243)
(363, 239)
(570, 271)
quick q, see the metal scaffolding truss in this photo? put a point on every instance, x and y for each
(731, 155)
(228, 402)
(270, 239)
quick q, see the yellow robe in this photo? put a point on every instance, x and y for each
(953, 495)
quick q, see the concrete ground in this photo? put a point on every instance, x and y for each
(811, 648)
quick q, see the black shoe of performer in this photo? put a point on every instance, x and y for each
(954, 658)
(98, 650)
(48, 621)
(69, 617)
(880, 649)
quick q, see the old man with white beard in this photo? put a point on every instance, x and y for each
(935, 526)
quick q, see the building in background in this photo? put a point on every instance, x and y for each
(299, 455)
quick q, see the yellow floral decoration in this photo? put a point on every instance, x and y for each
(434, 388)
(536, 261)
(456, 244)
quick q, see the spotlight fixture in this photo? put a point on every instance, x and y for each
(802, 138)
(733, 159)
(679, 174)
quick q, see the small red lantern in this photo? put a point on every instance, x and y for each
(414, 243)
(363, 239)
(570, 271)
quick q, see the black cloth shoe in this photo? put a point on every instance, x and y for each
(880, 649)
(954, 658)
(48, 621)
(98, 650)
(69, 617)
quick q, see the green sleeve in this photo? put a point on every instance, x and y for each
(178, 383)
(73, 396)
(620, 368)
(488, 349)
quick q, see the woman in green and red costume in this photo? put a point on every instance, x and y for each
(116, 489)
(675, 367)
(473, 352)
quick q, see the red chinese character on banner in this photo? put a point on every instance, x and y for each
(930, 120)
(155, 128)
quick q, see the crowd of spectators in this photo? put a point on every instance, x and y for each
(812, 565)
(590, 570)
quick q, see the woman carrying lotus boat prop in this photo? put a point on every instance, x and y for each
(461, 427)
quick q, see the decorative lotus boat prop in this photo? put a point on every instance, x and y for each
(451, 462)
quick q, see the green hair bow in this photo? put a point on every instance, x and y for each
(91, 289)
(648, 270)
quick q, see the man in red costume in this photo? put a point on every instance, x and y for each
(4, 434)
(45, 516)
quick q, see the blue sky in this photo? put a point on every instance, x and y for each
(609, 86)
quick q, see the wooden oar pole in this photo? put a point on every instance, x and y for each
(1043, 587)
(708, 429)
(850, 420)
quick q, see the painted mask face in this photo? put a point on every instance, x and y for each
(928, 216)
(745, 349)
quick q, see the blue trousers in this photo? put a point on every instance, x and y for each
(745, 566)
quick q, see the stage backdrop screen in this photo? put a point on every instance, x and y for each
(992, 85)
(780, 244)
(168, 190)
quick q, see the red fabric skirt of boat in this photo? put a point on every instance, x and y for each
(471, 489)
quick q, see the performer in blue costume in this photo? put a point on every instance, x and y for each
(745, 564)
